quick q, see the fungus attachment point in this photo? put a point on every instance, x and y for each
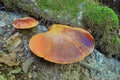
(24, 23)
(62, 44)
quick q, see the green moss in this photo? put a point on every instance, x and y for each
(103, 23)
(116, 39)
(59, 7)
(101, 16)
(2, 77)
(62, 9)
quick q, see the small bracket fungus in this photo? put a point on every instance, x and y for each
(24, 23)
(62, 44)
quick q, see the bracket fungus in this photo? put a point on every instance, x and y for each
(24, 23)
(62, 44)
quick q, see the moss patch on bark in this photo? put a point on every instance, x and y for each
(103, 23)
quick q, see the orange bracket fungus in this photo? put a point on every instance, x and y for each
(24, 23)
(62, 44)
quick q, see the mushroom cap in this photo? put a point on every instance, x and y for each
(24, 23)
(62, 44)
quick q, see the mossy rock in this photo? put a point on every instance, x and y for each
(101, 20)
(63, 11)
(76, 71)
(103, 23)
